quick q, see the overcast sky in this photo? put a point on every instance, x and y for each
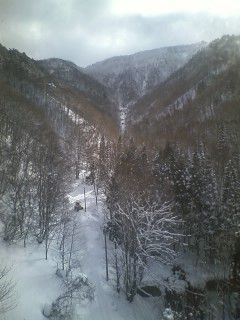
(86, 31)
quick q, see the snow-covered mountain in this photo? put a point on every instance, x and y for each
(143, 70)
(67, 72)
(195, 98)
(58, 83)
(131, 77)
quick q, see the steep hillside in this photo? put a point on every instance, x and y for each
(193, 101)
(67, 73)
(59, 87)
(132, 76)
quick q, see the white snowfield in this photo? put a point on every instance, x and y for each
(35, 279)
(38, 285)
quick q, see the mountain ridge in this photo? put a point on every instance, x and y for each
(131, 77)
(192, 96)
(33, 81)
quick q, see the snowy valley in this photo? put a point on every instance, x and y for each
(119, 186)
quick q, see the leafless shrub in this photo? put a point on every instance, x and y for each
(7, 291)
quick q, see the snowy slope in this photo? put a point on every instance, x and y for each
(156, 58)
(191, 95)
(131, 77)
(134, 75)
(68, 73)
(35, 279)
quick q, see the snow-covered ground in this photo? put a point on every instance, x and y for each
(122, 114)
(37, 284)
(34, 277)
(107, 303)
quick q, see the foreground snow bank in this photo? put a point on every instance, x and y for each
(36, 282)
(77, 289)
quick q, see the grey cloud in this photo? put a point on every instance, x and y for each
(84, 31)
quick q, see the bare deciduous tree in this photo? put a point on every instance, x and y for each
(144, 232)
(7, 291)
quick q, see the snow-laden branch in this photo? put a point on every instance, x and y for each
(145, 232)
